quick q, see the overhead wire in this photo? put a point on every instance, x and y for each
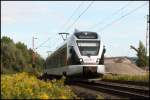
(110, 16)
(80, 16)
(114, 21)
(100, 28)
(45, 41)
(62, 25)
(78, 7)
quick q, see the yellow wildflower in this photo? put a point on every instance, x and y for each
(29, 90)
(44, 96)
(63, 97)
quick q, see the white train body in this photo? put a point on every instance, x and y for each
(82, 53)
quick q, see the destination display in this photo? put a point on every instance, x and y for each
(86, 35)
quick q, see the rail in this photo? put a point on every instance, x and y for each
(118, 89)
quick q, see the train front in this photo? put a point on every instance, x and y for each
(86, 54)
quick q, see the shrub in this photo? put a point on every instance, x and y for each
(25, 86)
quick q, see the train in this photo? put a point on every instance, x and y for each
(82, 53)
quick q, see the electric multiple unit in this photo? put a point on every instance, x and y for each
(81, 54)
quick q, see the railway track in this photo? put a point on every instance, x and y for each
(118, 89)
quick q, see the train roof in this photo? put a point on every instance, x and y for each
(85, 32)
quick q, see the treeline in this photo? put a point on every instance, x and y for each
(16, 57)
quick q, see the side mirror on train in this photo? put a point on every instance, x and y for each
(71, 49)
(104, 50)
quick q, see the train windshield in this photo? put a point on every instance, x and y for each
(88, 48)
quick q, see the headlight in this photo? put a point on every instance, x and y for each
(81, 60)
(98, 60)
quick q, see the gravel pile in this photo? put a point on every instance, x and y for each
(118, 65)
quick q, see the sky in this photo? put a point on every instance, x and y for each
(21, 20)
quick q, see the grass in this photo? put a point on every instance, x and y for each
(27, 86)
(144, 77)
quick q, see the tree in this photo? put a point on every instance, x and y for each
(6, 39)
(11, 58)
(17, 57)
(39, 62)
(23, 48)
(143, 59)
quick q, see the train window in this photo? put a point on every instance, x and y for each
(89, 48)
(91, 44)
(58, 59)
